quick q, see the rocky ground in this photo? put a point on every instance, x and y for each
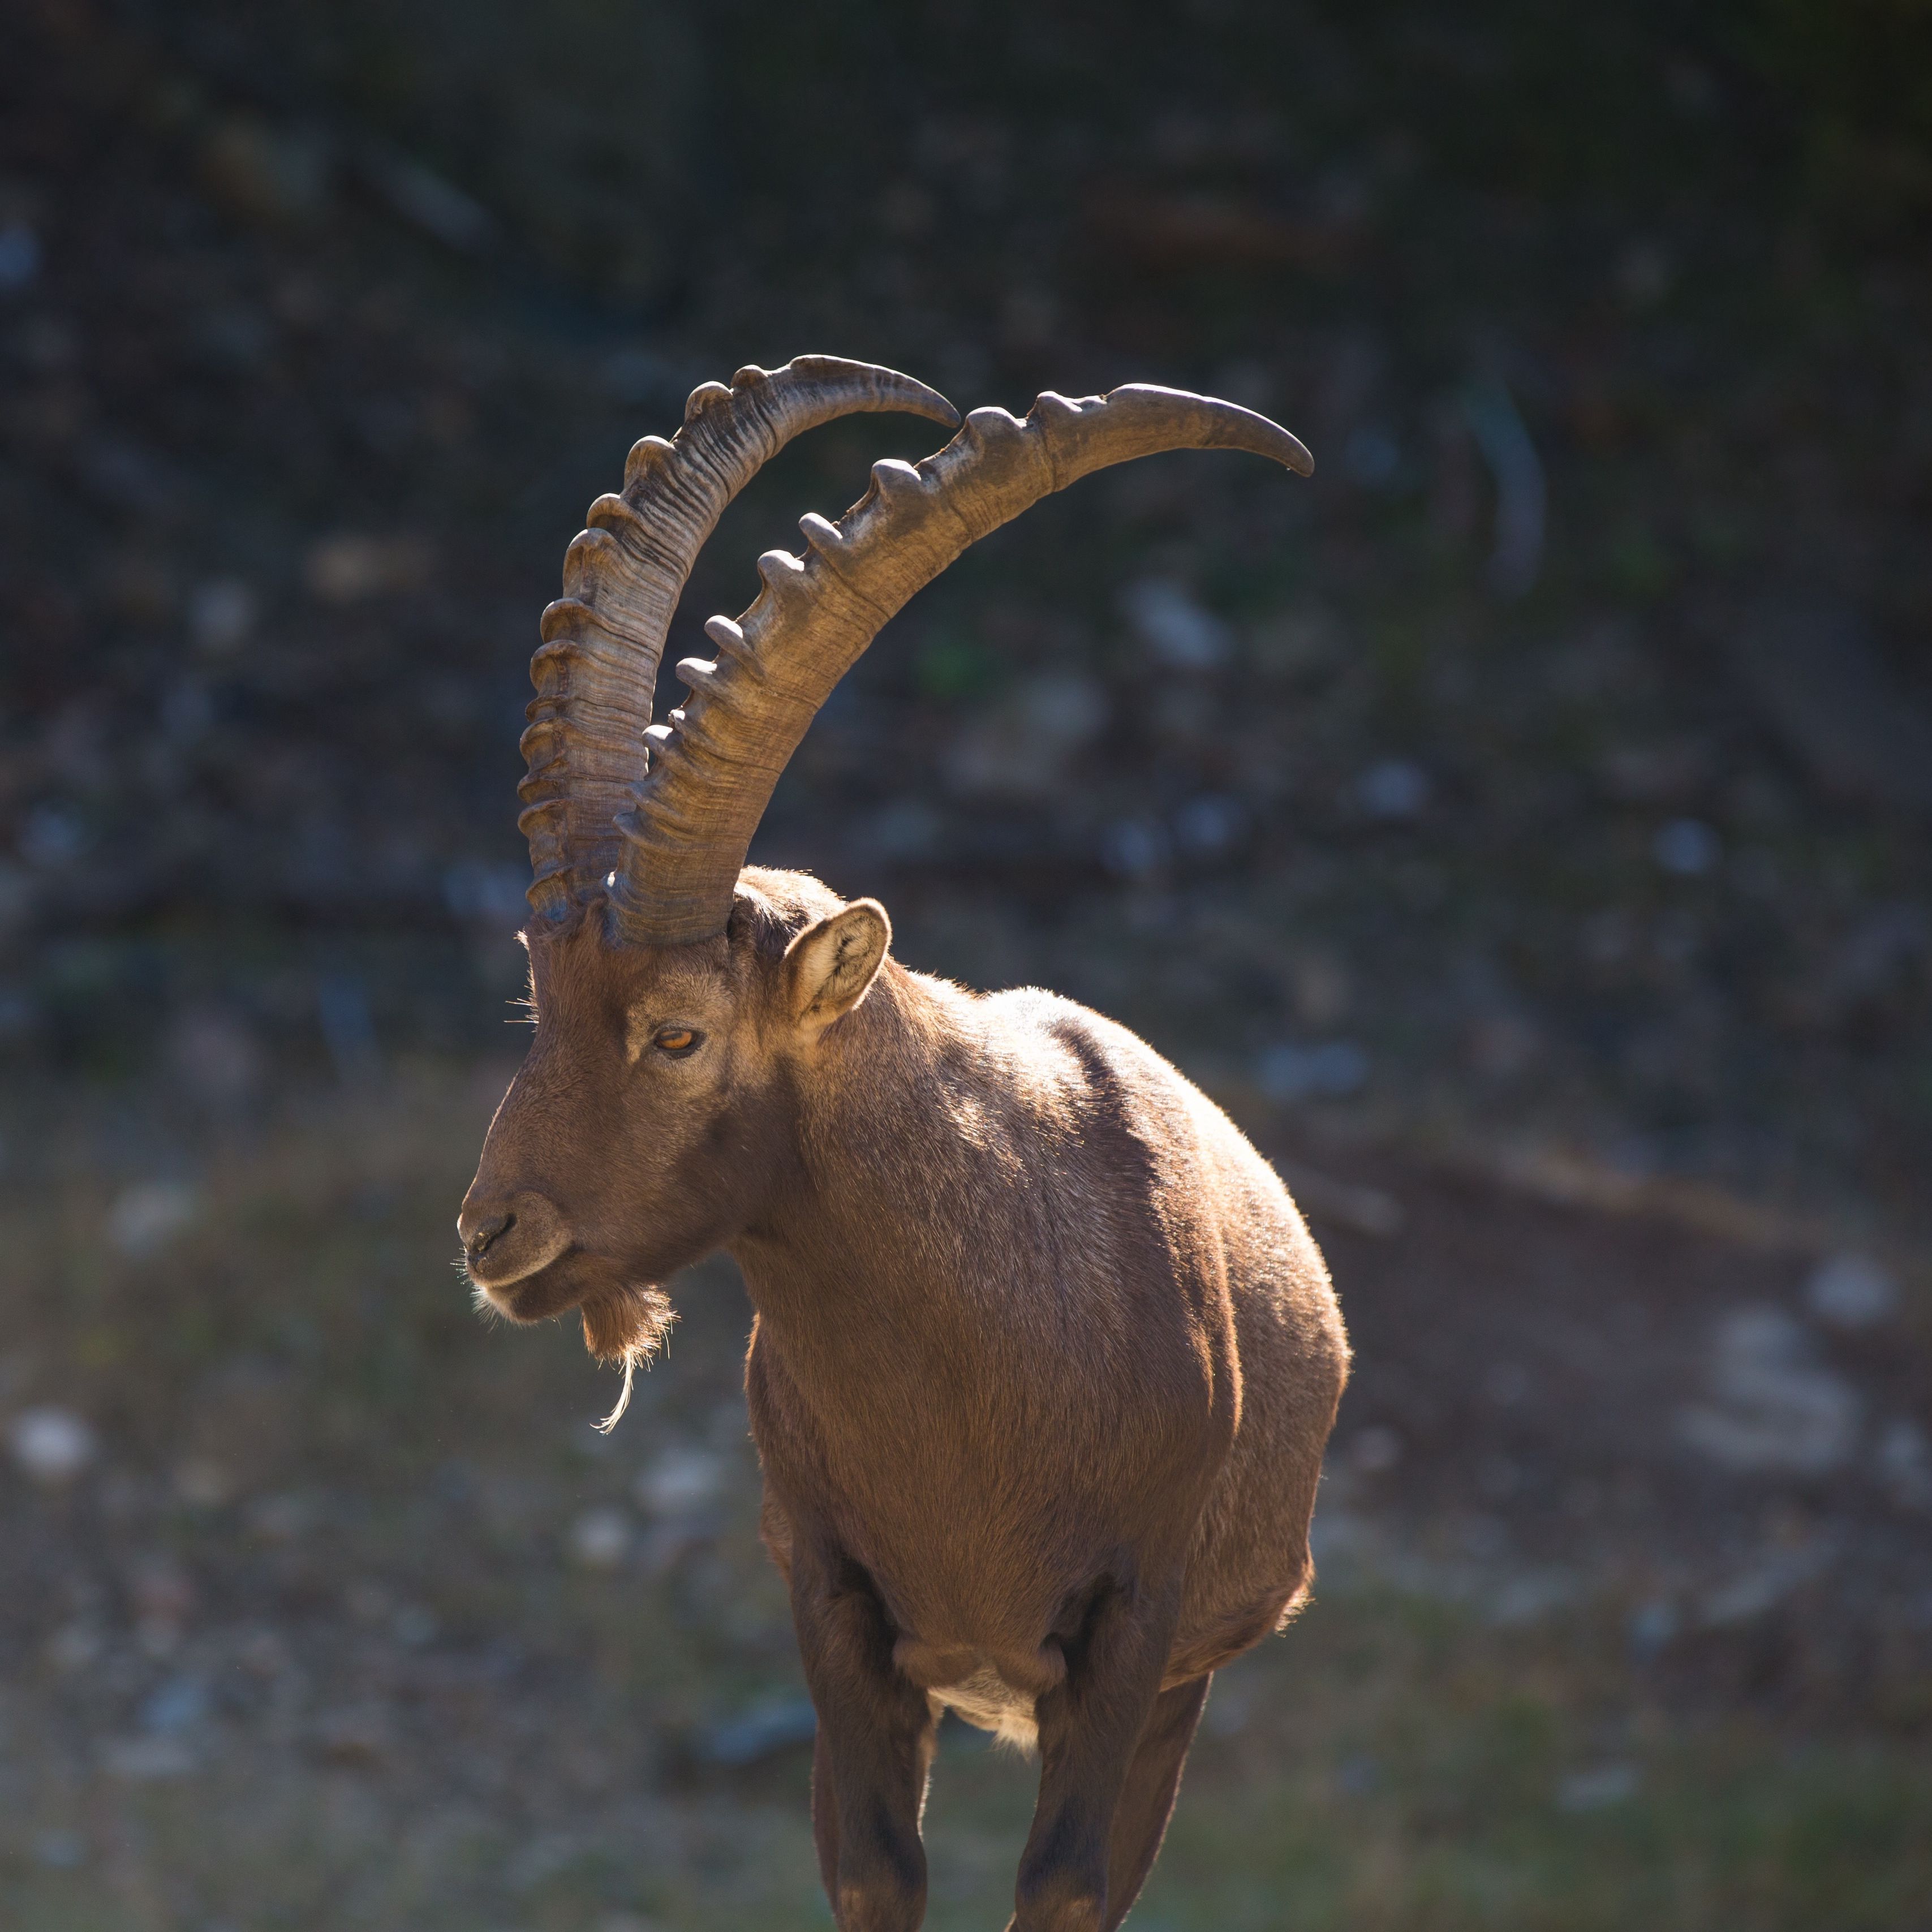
(326, 1606)
(1521, 827)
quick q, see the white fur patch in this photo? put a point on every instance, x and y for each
(986, 1699)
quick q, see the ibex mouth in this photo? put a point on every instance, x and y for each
(554, 1288)
(507, 1242)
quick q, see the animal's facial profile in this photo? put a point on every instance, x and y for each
(651, 1119)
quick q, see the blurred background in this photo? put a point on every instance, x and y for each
(1522, 829)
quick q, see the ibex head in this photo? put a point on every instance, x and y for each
(652, 1120)
(680, 1001)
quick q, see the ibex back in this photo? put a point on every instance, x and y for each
(1044, 1359)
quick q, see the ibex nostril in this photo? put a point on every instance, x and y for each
(486, 1232)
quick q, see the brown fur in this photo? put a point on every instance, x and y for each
(1043, 1363)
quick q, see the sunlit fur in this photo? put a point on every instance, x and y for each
(1044, 1358)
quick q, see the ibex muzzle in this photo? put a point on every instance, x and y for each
(509, 1237)
(1044, 1359)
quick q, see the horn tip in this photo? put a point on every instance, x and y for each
(920, 399)
(892, 388)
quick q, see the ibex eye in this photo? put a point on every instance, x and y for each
(677, 1041)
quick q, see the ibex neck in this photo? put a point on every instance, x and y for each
(859, 1250)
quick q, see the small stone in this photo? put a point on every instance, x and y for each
(1231, 1707)
(1851, 1291)
(221, 612)
(1529, 1596)
(1652, 1626)
(19, 257)
(1134, 850)
(1174, 629)
(541, 1857)
(147, 1216)
(1644, 274)
(414, 1625)
(1297, 642)
(1770, 1407)
(162, 1589)
(906, 828)
(600, 1539)
(486, 894)
(1758, 1588)
(217, 1057)
(1483, 1536)
(369, 1602)
(1393, 789)
(1320, 985)
(1653, 773)
(60, 1851)
(179, 1704)
(73, 1647)
(1818, 670)
(17, 895)
(268, 174)
(1687, 847)
(1020, 748)
(1502, 1044)
(204, 1484)
(53, 837)
(281, 1518)
(1599, 1788)
(762, 1732)
(682, 1479)
(1506, 1384)
(53, 1445)
(147, 1760)
(1371, 457)
(262, 1653)
(356, 1735)
(1331, 1071)
(423, 199)
(1375, 1449)
(348, 569)
(1905, 1463)
(1207, 826)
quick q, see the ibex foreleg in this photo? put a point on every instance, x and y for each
(876, 1731)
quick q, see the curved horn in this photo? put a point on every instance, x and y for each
(597, 665)
(713, 765)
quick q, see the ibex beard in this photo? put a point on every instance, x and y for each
(624, 1322)
(534, 1270)
(1043, 1358)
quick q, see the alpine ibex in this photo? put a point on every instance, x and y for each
(1043, 1358)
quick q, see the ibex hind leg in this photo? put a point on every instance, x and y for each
(1091, 1729)
(1147, 1801)
(1146, 1797)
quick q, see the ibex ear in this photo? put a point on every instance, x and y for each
(828, 967)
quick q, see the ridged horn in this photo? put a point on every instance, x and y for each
(597, 665)
(713, 764)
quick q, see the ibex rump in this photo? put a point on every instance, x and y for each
(1044, 1359)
